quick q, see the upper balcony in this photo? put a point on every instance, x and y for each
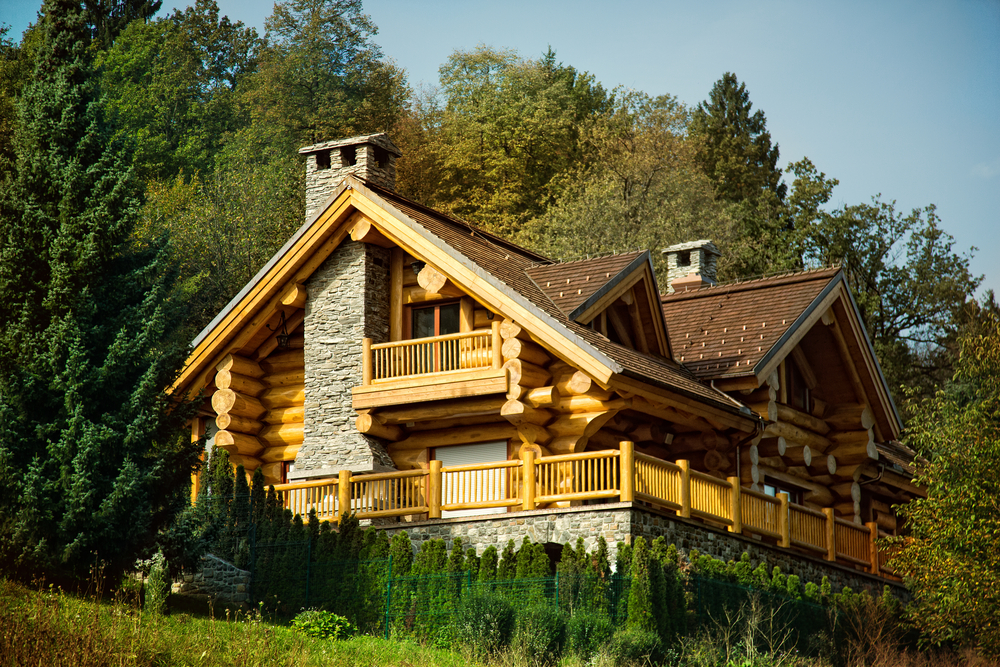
(436, 367)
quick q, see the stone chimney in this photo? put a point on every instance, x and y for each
(691, 265)
(370, 157)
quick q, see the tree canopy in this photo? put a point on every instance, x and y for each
(951, 555)
(91, 451)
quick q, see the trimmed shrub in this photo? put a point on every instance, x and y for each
(485, 623)
(540, 634)
(587, 631)
(634, 647)
(323, 625)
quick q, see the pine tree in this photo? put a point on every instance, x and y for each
(736, 153)
(90, 446)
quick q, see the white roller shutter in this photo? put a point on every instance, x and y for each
(492, 485)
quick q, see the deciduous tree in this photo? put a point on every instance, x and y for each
(951, 557)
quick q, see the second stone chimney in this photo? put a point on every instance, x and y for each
(691, 265)
(370, 157)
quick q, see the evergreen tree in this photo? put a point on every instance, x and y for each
(108, 18)
(95, 461)
(401, 552)
(641, 604)
(736, 147)
(507, 569)
(488, 564)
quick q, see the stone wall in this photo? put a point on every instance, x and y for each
(348, 301)
(218, 579)
(623, 522)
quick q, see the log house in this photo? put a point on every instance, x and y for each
(386, 336)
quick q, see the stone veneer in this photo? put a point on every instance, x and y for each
(348, 301)
(623, 522)
(704, 254)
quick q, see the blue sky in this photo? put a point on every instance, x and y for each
(897, 98)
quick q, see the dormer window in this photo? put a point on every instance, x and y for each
(684, 258)
(323, 160)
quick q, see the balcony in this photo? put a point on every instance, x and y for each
(437, 367)
(616, 475)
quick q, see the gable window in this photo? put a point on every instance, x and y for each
(436, 320)
(798, 390)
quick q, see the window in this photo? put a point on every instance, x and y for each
(437, 320)
(323, 160)
(684, 258)
(794, 495)
(798, 391)
(484, 485)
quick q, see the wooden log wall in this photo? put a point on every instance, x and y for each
(260, 400)
(822, 452)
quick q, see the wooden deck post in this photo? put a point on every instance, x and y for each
(366, 361)
(197, 432)
(497, 343)
(528, 476)
(343, 494)
(626, 492)
(434, 490)
(786, 538)
(736, 509)
(872, 547)
(685, 489)
(831, 534)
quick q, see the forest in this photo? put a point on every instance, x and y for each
(149, 168)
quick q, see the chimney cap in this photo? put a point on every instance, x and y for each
(379, 139)
(703, 244)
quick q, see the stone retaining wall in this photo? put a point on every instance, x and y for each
(217, 579)
(623, 522)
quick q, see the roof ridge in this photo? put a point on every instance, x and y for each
(489, 236)
(752, 284)
(553, 262)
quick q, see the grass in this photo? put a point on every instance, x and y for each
(53, 628)
(49, 627)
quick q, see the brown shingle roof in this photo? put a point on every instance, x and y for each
(725, 331)
(570, 284)
(510, 263)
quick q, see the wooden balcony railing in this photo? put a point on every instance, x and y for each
(617, 474)
(473, 350)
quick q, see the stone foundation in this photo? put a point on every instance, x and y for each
(623, 522)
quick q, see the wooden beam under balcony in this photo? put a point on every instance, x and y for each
(430, 387)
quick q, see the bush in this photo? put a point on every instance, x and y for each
(485, 623)
(323, 625)
(541, 634)
(587, 631)
(633, 647)
(157, 585)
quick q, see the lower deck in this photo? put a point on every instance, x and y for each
(554, 483)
